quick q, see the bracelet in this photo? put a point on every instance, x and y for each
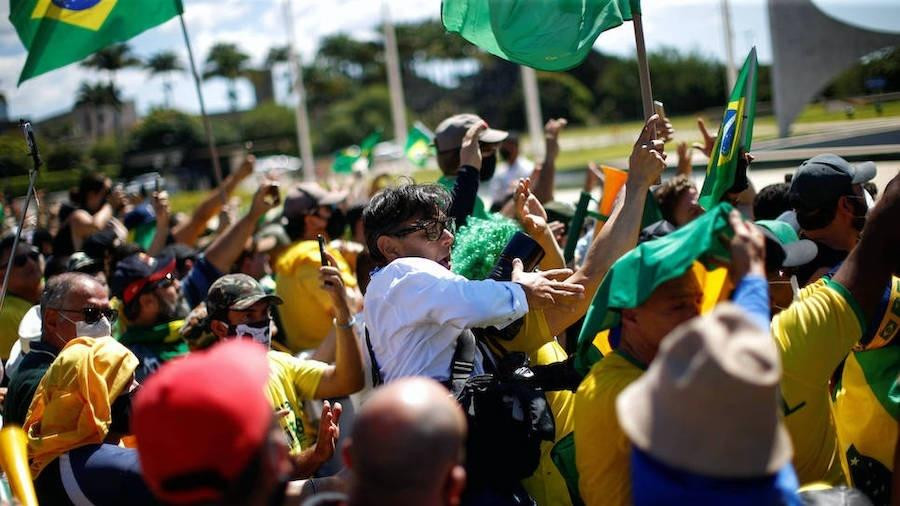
(349, 325)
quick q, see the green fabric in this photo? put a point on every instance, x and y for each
(563, 456)
(479, 211)
(419, 146)
(55, 36)
(345, 159)
(163, 339)
(478, 245)
(881, 368)
(851, 300)
(144, 234)
(634, 277)
(550, 35)
(735, 134)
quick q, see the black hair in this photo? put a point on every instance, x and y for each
(393, 206)
(90, 182)
(668, 193)
(6, 244)
(771, 201)
(872, 188)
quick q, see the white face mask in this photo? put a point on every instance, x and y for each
(261, 334)
(100, 328)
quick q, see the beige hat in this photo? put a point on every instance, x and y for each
(304, 198)
(450, 132)
(708, 403)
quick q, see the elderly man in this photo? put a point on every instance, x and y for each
(25, 284)
(73, 305)
(407, 447)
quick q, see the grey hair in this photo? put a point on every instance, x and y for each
(58, 287)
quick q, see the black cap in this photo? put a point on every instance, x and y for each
(821, 180)
(135, 272)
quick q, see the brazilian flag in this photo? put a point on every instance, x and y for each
(419, 145)
(735, 135)
(59, 32)
(550, 35)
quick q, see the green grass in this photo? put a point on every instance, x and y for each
(188, 201)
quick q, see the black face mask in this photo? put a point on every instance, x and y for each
(860, 209)
(336, 224)
(488, 166)
(120, 413)
(505, 153)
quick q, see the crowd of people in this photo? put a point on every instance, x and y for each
(416, 345)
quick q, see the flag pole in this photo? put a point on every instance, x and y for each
(643, 68)
(210, 138)
(32, 175)
(532, 109)
(395, 80)
(301, 115)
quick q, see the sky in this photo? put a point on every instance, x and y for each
(257, 25)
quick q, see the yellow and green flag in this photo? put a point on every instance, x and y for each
(59, 32)
(735, 135)
(346, 159)
(419, 145)
(550, 35)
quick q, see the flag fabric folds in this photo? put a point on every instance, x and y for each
(419, 145)
(735, 135)
(550, 35)
(349, 158)
(59, 32)
(635, 276)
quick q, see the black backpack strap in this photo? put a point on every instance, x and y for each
(377, 379)
(463, 362)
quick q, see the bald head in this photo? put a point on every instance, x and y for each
(407, 445)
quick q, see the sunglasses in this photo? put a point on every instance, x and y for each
(433, 228)
(93, 314)
(22, 258)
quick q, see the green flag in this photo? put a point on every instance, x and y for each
(635, 276)
(735, 135)
(550, 35)
(59, 32)
(346, 159)
(419, 145)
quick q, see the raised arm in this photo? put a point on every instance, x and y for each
(226, 248)
(160, 201)
(192, 229)
(465, 191)
(545, 178)
(620, 234)
(876, 257)
(532, 216)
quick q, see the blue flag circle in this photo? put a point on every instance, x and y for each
(75, 5)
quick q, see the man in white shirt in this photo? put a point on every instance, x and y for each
(415, 307)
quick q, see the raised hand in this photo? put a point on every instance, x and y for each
(470, 151)
(529, 211)
(546, 289)
(329, 431)
(551, 136)
(748, 248)
(332, 282)
(709, 141)
(263, 198)
(648, 158)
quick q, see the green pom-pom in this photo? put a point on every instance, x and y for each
(479, 244)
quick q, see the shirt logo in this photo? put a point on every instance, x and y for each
(87, 14)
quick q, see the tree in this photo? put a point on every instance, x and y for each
(112, 59)
(227, 61)
(164, 64)
(278, 55)
(96, 97)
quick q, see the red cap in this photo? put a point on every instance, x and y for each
(199, 421)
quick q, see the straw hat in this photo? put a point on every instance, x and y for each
(708, 403)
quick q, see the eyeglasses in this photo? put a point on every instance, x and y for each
(433, 228)
(22, 258)
(93, 314)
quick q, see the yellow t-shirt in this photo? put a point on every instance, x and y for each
(307, 310)
(547, 485)
(292, 381)
(14, 310)
(814, 335)
(601, 447)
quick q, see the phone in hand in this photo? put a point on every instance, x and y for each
(156, 184)
(273, 195)
(659, 109)
(322, 250)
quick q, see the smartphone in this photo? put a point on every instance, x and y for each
(273, 196)
(659, 109)
(322, 250)
(156, 184)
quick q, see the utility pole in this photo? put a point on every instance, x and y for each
(533, 110)
(395, 83)
(300, 113)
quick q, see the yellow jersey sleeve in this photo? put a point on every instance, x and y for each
(601, 447)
